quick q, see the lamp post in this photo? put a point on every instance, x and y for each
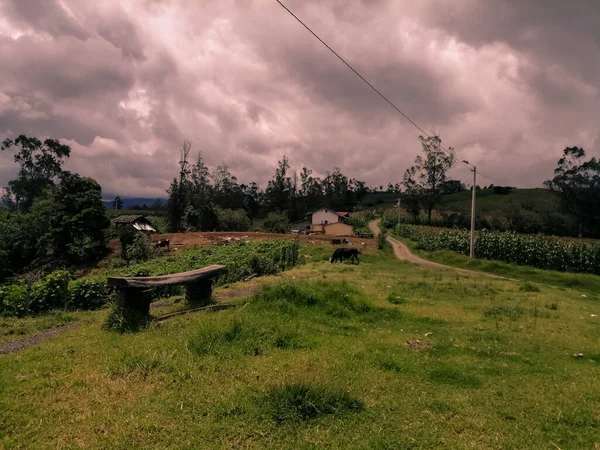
(472, 246)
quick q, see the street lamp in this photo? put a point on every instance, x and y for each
(472, 246)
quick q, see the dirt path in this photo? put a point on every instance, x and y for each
(21, 344)
(403, 253)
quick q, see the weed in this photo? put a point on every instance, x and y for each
(298, 402)
(553, 306)
(125, 320)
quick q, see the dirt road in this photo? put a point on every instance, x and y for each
(403, 253)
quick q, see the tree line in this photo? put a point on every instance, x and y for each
(51, 217)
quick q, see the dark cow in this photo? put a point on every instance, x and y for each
(162, 243)
(341, 253)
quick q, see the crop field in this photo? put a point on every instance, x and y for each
(538, 251)
(380, 355)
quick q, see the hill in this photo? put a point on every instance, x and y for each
(488, 201)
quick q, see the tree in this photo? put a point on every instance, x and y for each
(232, 220)
(276, 222)
(39, 164)
(227, 192)
(451, 187)
(577, 183)
(118, 203)
(279, 189)
(77, 220)
(179, 190)
(426, 178)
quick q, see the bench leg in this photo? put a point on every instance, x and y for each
(137, 300)
(199, 294)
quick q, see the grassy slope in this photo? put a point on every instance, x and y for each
(499, 372)
(487, 201)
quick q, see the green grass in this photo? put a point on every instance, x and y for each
(386, 355)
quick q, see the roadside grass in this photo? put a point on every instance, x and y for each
(322, 356)
(586, 283)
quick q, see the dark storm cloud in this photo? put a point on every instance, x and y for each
(507, 84)
(43, 15)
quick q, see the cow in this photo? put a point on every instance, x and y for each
(341, 253)
(162, 243)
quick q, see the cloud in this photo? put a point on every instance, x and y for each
(125, 82)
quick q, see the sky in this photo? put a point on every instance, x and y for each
(508, 84)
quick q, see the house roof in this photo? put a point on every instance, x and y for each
(138, 222)
(128, 219)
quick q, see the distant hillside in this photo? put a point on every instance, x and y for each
(488, 201)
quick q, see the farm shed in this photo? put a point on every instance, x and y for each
(139, 223)
(301, 225)
(338, 229)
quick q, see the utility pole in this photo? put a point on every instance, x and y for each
(472, 246)
(472, 252)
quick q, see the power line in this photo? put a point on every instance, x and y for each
(369, 84)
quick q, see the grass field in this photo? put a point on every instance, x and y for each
(381, 355)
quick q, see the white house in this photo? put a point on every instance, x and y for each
(325, 217)
(318, 220)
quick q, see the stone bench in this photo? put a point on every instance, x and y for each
(135, 291)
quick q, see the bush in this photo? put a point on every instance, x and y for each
(88, 293)
(276, 222)
(52, 292)
(381, 239)
(141, 248)
(232, 220)
(12, 300)
(124, 320)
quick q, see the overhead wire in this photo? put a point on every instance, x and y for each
(451, 153)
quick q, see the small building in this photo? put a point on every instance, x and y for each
(338, 229)
(300, 225)
(316, 221)
(139, 223)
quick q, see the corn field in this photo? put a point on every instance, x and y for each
(539, 251)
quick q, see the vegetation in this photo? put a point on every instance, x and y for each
(58, 291)
(425, 181)
(577, 184)
(535, 251)
(320, 358)
(53, 218)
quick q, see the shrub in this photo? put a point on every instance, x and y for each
(12, 300)
(89, 293)
(52, 292)
(141, 248)
(124, 320)
(381, 239)
(232, 220)
(276, 222)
